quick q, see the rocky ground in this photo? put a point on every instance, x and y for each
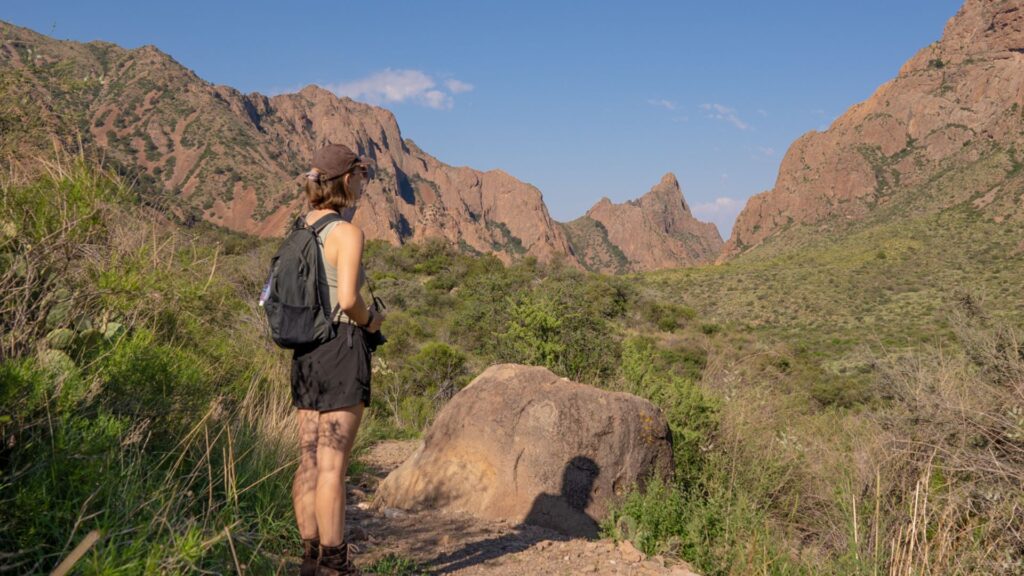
(441, 543)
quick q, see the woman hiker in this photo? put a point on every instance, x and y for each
(331, 382)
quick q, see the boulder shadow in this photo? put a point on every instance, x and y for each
(565, 513)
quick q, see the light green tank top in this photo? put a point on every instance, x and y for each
(332, 276)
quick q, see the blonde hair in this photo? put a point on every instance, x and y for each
(331, 194)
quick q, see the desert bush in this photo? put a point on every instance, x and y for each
(482, 312)
(958, 432)
(139, 399)
(534, 334)
(666, 316)
(46, 228)
(691, 414)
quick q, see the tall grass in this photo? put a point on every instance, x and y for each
(139, 396)
(926, 483)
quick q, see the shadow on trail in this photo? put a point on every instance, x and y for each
(564, 513)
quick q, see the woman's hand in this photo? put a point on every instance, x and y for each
(376, 320)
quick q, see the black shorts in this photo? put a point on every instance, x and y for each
(333, 375)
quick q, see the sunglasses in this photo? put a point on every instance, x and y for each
(364, 172)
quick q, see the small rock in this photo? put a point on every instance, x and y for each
(651, 565)
(682, 569)
(363, 505)
(394, 513)
(356, 534)
(630, 553)
(543, 544)
(358, 494)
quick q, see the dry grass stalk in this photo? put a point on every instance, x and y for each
(68, 563)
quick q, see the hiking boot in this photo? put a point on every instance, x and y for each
(310, 557)
(336, 561)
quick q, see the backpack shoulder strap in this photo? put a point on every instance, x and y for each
(322, 223)
(316, 228)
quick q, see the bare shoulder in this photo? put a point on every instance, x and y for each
(348, 233)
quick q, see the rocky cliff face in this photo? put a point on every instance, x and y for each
(652, 232)
(949, 129)
(232, 158)
(211, 153)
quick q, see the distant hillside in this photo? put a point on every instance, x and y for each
(948, 130)
(211, 153)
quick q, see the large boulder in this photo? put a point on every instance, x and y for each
(522, 444)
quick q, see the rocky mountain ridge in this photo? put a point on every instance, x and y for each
(948, 130)
(211, 153)
(652, 232)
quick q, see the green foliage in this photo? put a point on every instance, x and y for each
(436, 368)
(692, 416)
(144, 414)
(394, 565)
(716, 529)
(667, 317)
(482, 312)
(534, 333)
(46, 225)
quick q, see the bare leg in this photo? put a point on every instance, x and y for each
(304, 485)
(337, 434)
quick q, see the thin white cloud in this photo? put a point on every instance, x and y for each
(397, 86)
(722, 211)
(662, 103)
(762, 112)
(726, 114)
(722, 204)
(437, 100)
(766, 151)
(457, 86)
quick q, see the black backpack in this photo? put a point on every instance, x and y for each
(296, 297)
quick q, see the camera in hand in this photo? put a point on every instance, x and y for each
(375, 339)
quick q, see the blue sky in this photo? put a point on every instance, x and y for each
(581, 99)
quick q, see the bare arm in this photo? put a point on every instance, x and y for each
(349, 260)
(349, 263)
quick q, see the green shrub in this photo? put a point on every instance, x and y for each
(534, 333)
(691, 414)
(437, 368)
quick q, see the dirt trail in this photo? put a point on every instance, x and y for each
(444, 543)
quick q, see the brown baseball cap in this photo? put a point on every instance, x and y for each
(334, 160)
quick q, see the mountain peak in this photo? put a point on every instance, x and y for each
(665, 196)
(669, 179)
(651, 232)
